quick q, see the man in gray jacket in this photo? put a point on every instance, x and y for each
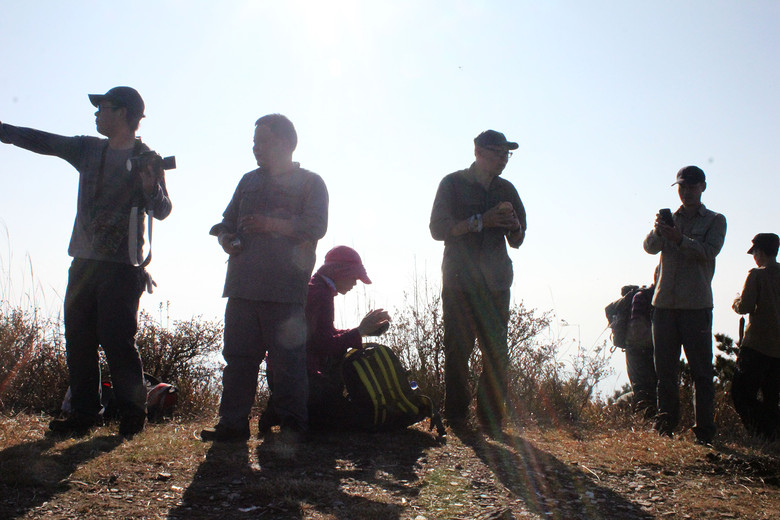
(106, 278)
(689, 240)
(270, 229)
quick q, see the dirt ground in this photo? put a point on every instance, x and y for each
(167, 472)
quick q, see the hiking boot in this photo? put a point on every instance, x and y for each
(76, 424)
(130, 425)
(222, 433)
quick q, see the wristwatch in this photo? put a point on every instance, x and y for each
(475, 223)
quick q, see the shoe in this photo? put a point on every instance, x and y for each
(286, 443)
(268, 419)
(76, 424)
(492, 430)
(222, 433)
(130, 425)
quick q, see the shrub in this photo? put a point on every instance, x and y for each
(184, 356)
(541, 385)
(33, 371)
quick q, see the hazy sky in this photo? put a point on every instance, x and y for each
(608, 99)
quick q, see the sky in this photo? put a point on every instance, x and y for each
(607, 99)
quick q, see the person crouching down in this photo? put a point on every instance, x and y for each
(326, 346)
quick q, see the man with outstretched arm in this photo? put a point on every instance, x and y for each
(107, 275)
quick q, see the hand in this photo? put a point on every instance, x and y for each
(228, 243)
(373, 321)
(150, 179)
(670, 233)
(502, 215)
(518, 236)
(254, 223)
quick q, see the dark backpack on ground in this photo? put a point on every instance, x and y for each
(378, 386)
(630, 317)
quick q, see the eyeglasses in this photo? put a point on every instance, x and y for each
(102, 108)
(499, 151)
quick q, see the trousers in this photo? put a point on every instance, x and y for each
(690, 329)
(101, 310)
(757, 373)
(469, 316)
(252, 330)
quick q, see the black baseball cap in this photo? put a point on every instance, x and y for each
(690, 175)
(496, 139)
(126, 97)
(769, 243)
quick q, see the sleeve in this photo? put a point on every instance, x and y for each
(442, 219)
(229, 222)
(160, 203)
(44, 143)
(312, 223)
(517, 204)
(708, 248)
(325, 339)
(653, 243)
(746, 302)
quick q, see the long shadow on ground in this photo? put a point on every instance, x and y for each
(347, 476)
(548, 486)
(33, 473)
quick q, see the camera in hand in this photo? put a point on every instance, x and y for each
(142, 160)
(666, 217)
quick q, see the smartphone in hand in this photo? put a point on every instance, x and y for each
(666, 216)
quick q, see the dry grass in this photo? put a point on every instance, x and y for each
(166, 472)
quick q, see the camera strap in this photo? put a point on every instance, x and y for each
(134, 254)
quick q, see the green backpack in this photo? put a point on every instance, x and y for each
(378, 386)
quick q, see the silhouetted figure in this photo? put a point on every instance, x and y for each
(758, 361)
(107, 275)
(476, 213)
(270, 230)
(326, 346)
(683, 302)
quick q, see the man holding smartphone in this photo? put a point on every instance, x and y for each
(683, 302)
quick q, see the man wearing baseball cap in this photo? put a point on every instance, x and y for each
(683, 304)
(476, 213)
(758, 361)
(106, 278)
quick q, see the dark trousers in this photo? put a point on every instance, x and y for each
(101, 310)
(640, 367)
(691, 330)
(468, 316)
(757, 373)
(252, 330)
